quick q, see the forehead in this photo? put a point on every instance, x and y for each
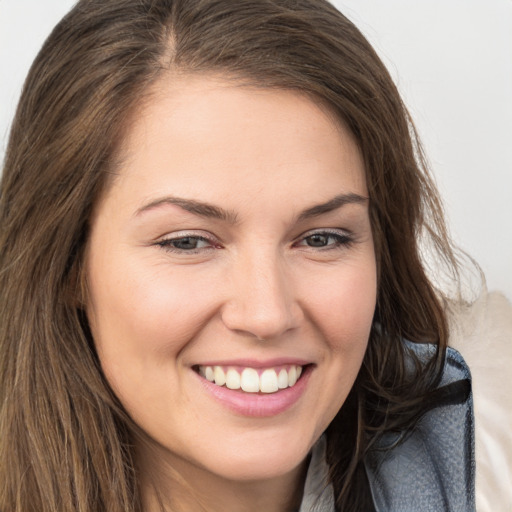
(204, 137)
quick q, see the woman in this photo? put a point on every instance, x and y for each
(211, 214)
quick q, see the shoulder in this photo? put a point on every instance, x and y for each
(433, 465)
(459, 457)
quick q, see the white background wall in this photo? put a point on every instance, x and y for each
(452, 60)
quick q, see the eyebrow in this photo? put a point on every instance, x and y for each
(210, 211)
(331, 205)
(195, 207)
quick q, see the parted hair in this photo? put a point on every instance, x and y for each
(66, 443)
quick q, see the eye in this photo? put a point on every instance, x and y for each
(325, 240)
(187, 244)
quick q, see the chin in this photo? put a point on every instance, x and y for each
(259, 460)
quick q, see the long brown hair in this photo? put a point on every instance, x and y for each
(65, 441)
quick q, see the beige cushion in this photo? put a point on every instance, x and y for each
(482, 333)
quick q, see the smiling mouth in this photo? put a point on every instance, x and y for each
(252, 380)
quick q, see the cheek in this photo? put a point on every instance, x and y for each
(143, 313)
(142, 317)
(342, 305)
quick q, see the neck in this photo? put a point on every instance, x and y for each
(175, 485)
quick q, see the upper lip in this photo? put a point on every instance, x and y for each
(256, 363)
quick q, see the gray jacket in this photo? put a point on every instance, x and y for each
(430, 469)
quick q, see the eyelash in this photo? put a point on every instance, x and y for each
(342, 239)
(166, 244)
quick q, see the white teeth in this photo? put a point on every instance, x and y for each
(268, 381)
(208, 373)
(232, 379)
(292, 376)
(282, 379)
(250, 381)
(219, 376)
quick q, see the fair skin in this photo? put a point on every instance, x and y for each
(235, 235)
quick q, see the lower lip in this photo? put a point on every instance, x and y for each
(258, 405)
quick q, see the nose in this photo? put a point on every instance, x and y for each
(262, 302)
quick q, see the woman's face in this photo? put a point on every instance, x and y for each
(234, 245)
